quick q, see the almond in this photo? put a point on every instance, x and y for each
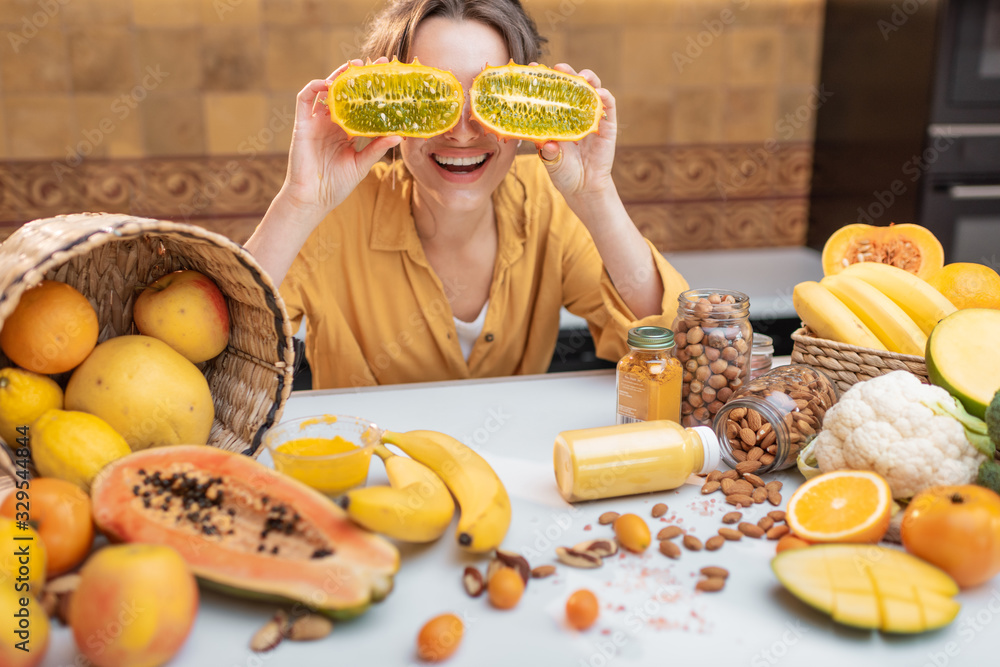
(751, 530)
(779, 531)
(731, 534)
(774, 498)
(714, 572)
(270, 634)
(773, 485)
(711, 487)
(755, 481)
(472, 580)
(759, 495)
(715, 542)
(714, 476)
(743, 486)
(765, 523)
(710, 585)
(748, 466)
(729, 486)
(543, 571)
(669, 533)
(754, 453)
(670, 549)
(659, 509)
(777, 515)
(754, 420)
(692, 543)
(602, 548)
(575, 558)
(730, 474)
(732, 517)
(309, 627)
(739, 500)
(607, 517)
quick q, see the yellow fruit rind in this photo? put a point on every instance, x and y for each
(501, 99)
(395, 98)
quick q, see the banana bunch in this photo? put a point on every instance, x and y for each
(418, 506)
(872, 305)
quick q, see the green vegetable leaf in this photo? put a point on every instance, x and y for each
(975, 428)
(993, 419)
(989, 475)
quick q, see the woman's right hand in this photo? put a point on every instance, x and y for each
(323, 165)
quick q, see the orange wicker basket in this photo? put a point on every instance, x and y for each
(850, 364)
(111, 257)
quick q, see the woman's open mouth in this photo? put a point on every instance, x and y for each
(461, 165)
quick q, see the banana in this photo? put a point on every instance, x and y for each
(417, 507)
(481, 496)
(830, 318)
(924, 304)
(888, 321)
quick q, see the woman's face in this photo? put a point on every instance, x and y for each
(461, 168)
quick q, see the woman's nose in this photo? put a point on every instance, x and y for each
(466, 129)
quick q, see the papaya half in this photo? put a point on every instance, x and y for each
(907, 246)
(244, 528)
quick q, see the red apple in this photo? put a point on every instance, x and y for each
(187, 311)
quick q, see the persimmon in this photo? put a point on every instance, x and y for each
(60, 511)
(956, 528)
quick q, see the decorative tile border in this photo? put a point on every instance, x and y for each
(681, 197)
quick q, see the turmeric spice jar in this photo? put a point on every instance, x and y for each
(649, 377)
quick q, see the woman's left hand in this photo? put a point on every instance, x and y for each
(583, 169)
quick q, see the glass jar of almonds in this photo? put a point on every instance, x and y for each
(712, 336)
(774, 416)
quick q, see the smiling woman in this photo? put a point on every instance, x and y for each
(454, 261)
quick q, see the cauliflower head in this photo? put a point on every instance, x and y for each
(886, 425)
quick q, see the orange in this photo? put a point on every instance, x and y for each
(534, 103)
(395, 98)
(841, 506)
(790, 541)
(52, 329)
(968, 285)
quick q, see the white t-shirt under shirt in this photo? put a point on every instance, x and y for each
(468, 332)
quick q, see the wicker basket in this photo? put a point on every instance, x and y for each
(849, 364)
(109, 258)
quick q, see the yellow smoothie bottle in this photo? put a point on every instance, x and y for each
(628, 459)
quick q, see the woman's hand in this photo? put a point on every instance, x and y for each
(323, 166)
(584, 169)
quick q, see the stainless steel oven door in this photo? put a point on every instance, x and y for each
(966, 218)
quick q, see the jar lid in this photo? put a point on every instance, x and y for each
(710, 447)
(762, 340)
(651, 338)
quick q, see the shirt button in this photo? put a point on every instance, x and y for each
(489, 338)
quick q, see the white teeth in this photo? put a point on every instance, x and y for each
(461, 161)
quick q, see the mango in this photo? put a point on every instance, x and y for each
(870, 587)
(145, 390)
(135, 606)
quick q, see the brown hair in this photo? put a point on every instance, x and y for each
(391, 32)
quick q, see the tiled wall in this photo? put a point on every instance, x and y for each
(717, 92)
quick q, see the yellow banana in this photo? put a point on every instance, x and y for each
(417, 507)
(897, 330)
(484, 503)
(830, 318)
(924, 304)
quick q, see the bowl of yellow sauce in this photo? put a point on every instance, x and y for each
(330, 453)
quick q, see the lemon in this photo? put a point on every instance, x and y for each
(23, 397)
(26, 551)
(74, 446)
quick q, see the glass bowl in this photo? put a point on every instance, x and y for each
(330, 453)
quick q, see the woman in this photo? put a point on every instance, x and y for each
(454, 262)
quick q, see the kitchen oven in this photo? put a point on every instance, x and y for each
(960, 164)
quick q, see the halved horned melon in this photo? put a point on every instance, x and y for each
(907, 246)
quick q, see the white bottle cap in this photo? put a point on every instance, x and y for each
(710, 447)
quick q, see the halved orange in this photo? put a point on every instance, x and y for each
(394, 98)
(841, 506)
(535, 103)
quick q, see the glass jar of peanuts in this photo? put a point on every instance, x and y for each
(774, 416)
(712, 336)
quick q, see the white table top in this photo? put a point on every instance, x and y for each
(650, 614)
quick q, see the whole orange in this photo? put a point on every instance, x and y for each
(968, 285)
(52, 329)
(956, 528)
(60, 512)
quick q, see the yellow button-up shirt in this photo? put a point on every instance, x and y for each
(376, 312)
